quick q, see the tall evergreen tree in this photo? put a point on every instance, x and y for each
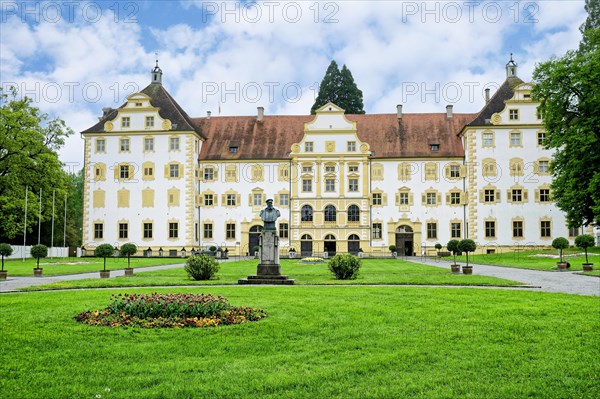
(569, 91)
(339, 88)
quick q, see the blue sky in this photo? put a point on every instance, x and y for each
(73, 58)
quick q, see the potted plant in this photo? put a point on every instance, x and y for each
(467, 246)
(584, 242)
(292, 252)
(5, 250)
(393, 250)
(438, 246)
(360, 252)
(104, 250)
(453, 247)
(560, 243)
(128, 250)
(38, 251)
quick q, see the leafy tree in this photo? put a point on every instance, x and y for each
(453, 247)
(569, 91)
(584, 242)
(39, 251)
(29, 142)
(7, 250)
(103, 251)
(128, 250)
(560, 243)
(339, 88)
(467, 246)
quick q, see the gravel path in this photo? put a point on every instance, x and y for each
(565, 282)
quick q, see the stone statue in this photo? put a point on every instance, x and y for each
(269, 215)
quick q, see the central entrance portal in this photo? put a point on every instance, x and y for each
(254, 239)
(404, 241)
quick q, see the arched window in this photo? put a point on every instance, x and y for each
(307, 213)
(353, 213)
(330, 213)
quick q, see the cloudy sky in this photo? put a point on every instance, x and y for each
(75, 57)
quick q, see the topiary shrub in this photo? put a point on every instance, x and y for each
(128, 250)
(104, 251)
(201, 267)
(344, 266)
(584, 242)
(5, 250)
(560, 243)
(39, 251)
(392, 248)
(453, 247)
(467, 246)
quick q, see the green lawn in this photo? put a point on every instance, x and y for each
(527, 260)
(374, 271)
(57, 266)
(317, 342)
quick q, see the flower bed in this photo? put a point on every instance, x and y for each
(312, 260)
(169, 311)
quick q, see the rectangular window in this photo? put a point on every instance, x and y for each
(147, 230)
(489, 195)
(541, 136)
(513, 114)
(174, 171)
(148, 171)
(149, 144)
(173, 143)
(403, 197)
(208, 200)
(377, 231)
(230, 231)
(434, 147)
(544, 195)
(353, 185)
(284, 199)
(517, 229)
(207, 230)
(455, 229)
(306, 185)
(515, 139)
(98, 231)
(257, 199)
(488, 139)
(123, 230)
(329, 169)
(538, 113)
(173, 230)
(138, 104)
(125, 121)
(233, 149)
(308, 146)
(431, 231)
(100, 145)
(544, 166)
(231, 200)
(574, 231)
(351, 146)
(124, 171)
(149, 121)
(329, 185)
(231, 173)
(353, 169)
(209, 173)
(517, 195)
(454, 198)
(545, 230)
(124, 144)
(455, 171)
(377, 199)
(490, 229)
(431, 198)
(307, 169)
(284, 230)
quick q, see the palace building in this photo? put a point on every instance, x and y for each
(172, 184)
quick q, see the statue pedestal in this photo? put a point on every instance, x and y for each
(268, 270)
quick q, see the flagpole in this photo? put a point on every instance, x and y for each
(25, 225)
(65, 225)
(52, 230)
(40, 219)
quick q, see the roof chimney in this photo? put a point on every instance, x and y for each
(449, 111)
(208, 114)
(487, 95)
(261, 114)
(399, 111)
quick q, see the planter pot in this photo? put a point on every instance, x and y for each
(394, 254)
(360, 255)
(292, 255)
(104, 273)
(587, 267)
(3, 274)
(37, 271)
(128, 272)
(467, 269)
(562, 266)
(455, 269)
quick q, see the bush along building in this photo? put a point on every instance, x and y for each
(174, 184)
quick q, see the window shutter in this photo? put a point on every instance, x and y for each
(463, 198)
(131, 170)
(439, 198)
(117, 171)
(167, 171)
(397, 198)
(463, 171)
(410, 199)
(525, 195)
(481, 195)
(447, 171)
(537, 195)
(497, 196)
(250, 200)
(424, 198)
(180, 171)
(509, 195)
(448, 199)
(238, 200)
(536, 167)
(224, 199)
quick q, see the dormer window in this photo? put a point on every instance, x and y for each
(434, 147)
(149, 121)
(233, 149)
(138, 104)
